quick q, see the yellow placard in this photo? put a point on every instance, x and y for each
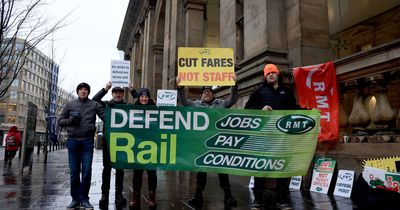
(206, 66)
(390, 164)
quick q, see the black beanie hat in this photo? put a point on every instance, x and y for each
(144, 92)
(83, 85)
(207, 88)
(117, 89)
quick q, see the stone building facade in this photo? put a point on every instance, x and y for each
(363, 40)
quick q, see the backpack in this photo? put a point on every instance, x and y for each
(10, 141)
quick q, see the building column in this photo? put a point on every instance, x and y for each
(194, 17)
(158, 64)
(148, 36)
(264, 26)
(136, 70)
(174, 38)
(308, 32)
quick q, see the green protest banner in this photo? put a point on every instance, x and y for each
(234, 141)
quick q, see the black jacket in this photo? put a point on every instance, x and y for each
(280, 98)
(99, 95)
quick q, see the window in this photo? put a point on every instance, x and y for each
(13, 94)
(11, 119)
(12, 107)
(15, 82)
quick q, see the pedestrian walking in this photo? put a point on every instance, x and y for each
(79, 118)
(271, 96)
(13, 142)
(144, 100)
(208, 100)
(117, 94)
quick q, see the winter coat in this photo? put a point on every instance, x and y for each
(14, 137)
(86, 125)
(216, 103)
(280, 98)
(99, 95)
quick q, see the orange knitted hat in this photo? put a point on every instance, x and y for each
(270, 68)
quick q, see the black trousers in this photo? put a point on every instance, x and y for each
(138, 178)
(106, 175)
(202, 180)
(10, 154)
(282, 188)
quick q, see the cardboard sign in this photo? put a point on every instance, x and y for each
(167, 97)
(206, 66)
(322, 175)
(381, 179)
(120, 73)
(344, 183)
(251, 182)
(295, 182)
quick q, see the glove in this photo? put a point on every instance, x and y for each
(74, 118)
(111, 104)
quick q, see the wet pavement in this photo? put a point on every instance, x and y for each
(47, 187)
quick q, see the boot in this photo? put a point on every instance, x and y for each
(9, 163)
(197, 199)
(229, 200)
(120, 201)
(135, 202)
(152, 199)
(257, 203)
(103, 203)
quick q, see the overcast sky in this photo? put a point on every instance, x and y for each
(86, 46)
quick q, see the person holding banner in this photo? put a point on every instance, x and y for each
(144, 99)
(208, 100)
(117, 94)
(271, 96)
(79, 118)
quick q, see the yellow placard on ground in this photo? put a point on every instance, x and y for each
(206, 66)
(390, 164)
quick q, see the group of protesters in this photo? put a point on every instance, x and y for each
(79, 117)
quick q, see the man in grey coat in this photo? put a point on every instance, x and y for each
(208, 100)
(79, 117)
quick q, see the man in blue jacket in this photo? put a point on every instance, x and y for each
(79, 117)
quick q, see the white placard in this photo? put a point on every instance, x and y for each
(251, 182)
(166, 97)
(322, 176)
(4, 139)
(295, 182)
(120, 73)
(344, 183)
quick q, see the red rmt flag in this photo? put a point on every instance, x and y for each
(316, 88)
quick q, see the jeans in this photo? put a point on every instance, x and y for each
(106, 175)
(80, 156)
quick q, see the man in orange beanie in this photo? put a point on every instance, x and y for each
(269, 68)
(271, 96)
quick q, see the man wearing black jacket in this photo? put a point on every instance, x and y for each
(271, 96)
(117, 98)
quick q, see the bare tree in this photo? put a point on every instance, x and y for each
(22, 28)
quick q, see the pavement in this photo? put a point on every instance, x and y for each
(46, 186)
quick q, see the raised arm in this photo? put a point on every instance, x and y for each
(99, 95)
